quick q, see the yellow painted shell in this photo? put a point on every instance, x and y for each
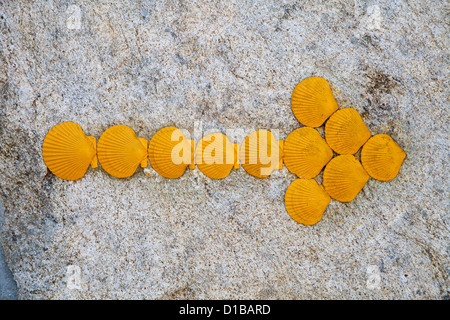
(170, 152)
(346, 131)
(68, 152)
(215, 155)
(313, 102)
(306, 201)
(306, 152)
(344, 177)
(261, 153)
(120, 151)
(382, 157)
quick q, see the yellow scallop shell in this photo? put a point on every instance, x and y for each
(346, 131)
(170, 152)
(68, 152)
(261, 153)
(344, 177)
(382, 157)
(215, 155)
(120, 151)
(313, 102)
(306, 152)
(306, 201)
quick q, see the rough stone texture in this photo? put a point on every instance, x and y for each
(221, 65)
(8, 287)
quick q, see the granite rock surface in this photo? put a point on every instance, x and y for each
(215, 66)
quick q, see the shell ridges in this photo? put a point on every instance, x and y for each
(344, 177)
(313, 102)
(170, 152)
(261, 153)
(306, 201)
(382, 157)
(120, 151)
(346, 132)
(306, 152)
(215, 156)
(68, 152)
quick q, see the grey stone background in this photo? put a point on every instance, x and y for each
(8, 287)
(221, 65)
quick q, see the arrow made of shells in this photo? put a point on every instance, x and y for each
(68, 153)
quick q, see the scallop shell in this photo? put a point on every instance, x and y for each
(260, 153)
(215, 156)
(306, 152)
(313, 102)
(382, 157)
(344, 177)
(120, 151)
(68, 152)
(346, 132)
(170, 152)
(306, 201)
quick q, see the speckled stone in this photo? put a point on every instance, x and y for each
(218, 66)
